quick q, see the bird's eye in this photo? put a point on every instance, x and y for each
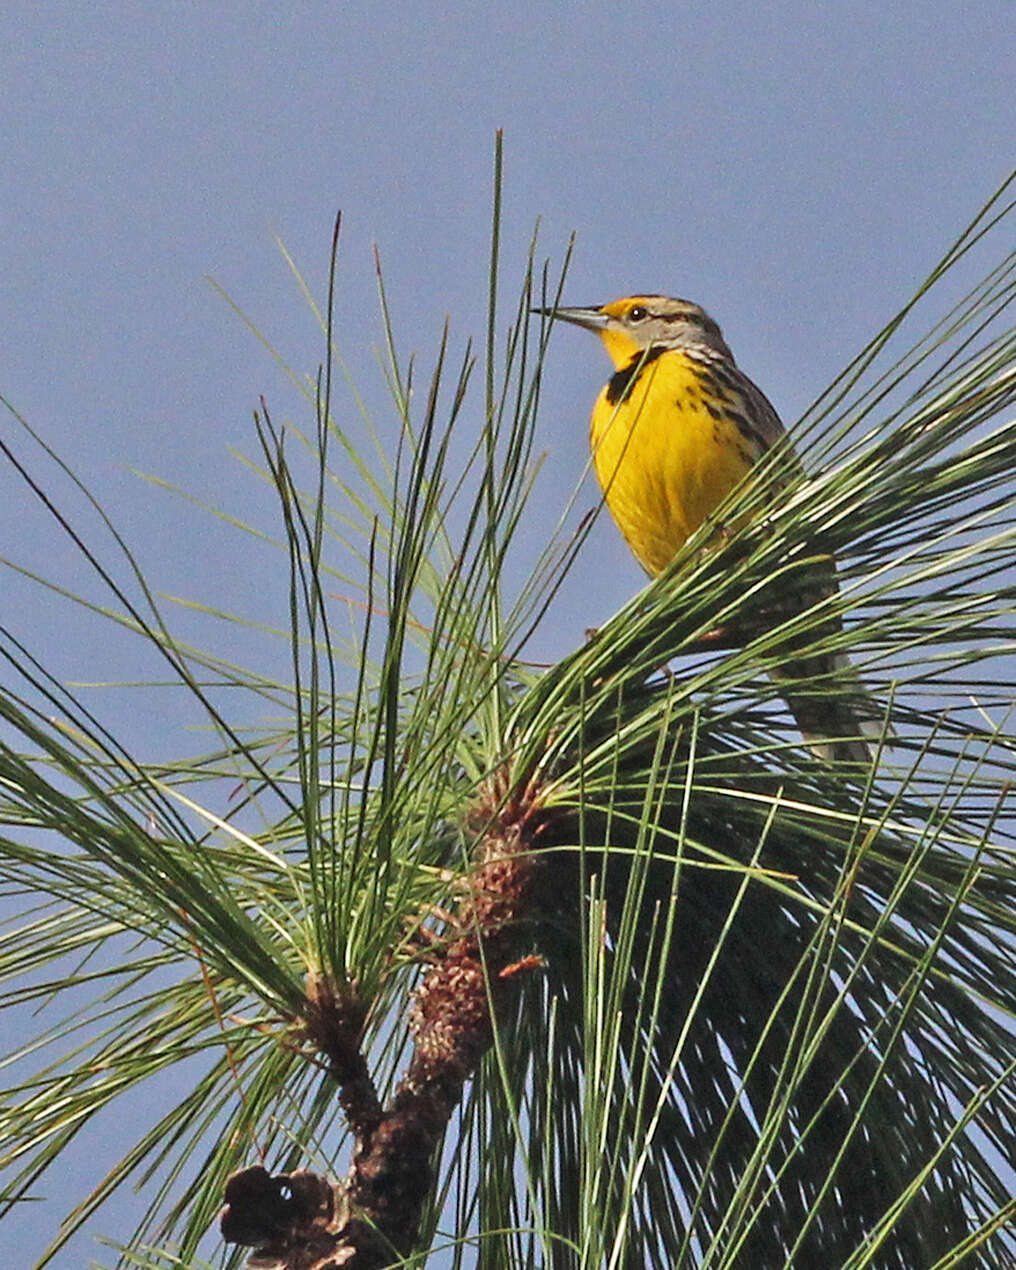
(637, 313)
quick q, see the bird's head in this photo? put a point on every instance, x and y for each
(636, 323)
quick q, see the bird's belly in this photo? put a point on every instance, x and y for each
(664, 470)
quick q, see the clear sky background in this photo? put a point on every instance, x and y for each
(796, 167)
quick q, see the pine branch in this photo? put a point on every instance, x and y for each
(299, 1221)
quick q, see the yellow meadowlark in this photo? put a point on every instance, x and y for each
(673, 430)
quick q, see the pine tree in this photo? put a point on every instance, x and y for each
(578, 966)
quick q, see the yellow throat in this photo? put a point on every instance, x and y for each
(676, 427)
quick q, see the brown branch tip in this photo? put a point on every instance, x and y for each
(300, 1221)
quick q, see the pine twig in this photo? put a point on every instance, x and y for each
(300, 1221)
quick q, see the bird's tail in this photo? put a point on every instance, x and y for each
(838, 719)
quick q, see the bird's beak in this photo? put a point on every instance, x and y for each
(592, 318)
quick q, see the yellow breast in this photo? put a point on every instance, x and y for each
(666, 456)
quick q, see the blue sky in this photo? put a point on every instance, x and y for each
(795, 167)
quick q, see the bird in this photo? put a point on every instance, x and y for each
(675, 428)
